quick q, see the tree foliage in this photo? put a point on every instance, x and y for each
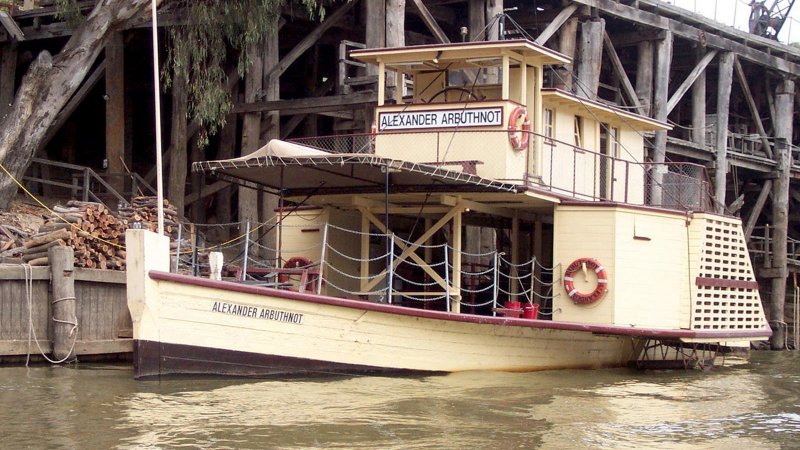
(199, 50)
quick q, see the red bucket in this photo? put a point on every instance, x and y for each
(531, 311)
(512, 306)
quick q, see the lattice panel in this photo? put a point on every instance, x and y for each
(727, 294)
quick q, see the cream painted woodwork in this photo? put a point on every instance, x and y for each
(717, 250)
(644, 251)
(489, 146)
(569, 168)
(176, 313)
(302, 232)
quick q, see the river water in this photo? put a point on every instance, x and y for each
(753, 404)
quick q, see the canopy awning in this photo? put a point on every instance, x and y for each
(298, 170)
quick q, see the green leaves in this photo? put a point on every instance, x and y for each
(199, 50)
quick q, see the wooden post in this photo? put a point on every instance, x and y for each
(8, 73)
(375, 25)
(395, 37)
(63, 301)
(724, 82)
(251, 132)
(590, 58)
(456, 280)
(644, 76)
(659, 111)
(270, 126)
(784, 113)
(477, 20)
(493, 9)
(515, 250)
(699, 105)
(115, 109)
(567, 42)
(178, 144)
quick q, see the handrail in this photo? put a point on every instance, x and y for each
(88, 176)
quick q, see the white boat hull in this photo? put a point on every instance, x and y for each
(186, 328)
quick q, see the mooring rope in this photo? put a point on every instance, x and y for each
(32, 332)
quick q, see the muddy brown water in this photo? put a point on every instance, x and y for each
(748, 405)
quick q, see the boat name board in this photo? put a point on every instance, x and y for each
(260, 313)
(461, 117)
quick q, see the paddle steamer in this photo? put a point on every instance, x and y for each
(487, 222)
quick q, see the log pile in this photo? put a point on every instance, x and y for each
(10, 239)
(95, 234)
(144, 211)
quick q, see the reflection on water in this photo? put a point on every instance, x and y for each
(752, 405)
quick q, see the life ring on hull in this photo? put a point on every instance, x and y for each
(295, 262)
(519, 128)
(599, 290)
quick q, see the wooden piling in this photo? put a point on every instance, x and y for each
(784, 113)
(63, 302)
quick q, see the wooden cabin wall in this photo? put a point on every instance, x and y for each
(663, 57)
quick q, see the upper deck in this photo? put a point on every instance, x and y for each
(482, 107)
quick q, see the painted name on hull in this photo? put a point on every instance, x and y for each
(463, 117)
(260, 313)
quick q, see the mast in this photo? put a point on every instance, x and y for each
(157, 88)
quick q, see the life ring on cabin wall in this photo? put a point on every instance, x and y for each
(295, 262)
(519, 127)
(599, 290)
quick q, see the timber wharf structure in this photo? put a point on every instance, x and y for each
(729, 95)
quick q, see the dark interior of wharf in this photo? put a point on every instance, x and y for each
(731, 96)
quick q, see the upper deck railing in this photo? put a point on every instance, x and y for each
(559, 167)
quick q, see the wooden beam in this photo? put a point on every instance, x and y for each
(590, 58)
(644, 76)
(724, 82)
(567, 44)
(308, 105)
(663, 53)
(694, 34)
(619, 70)
(750, 223)
(310, 40)
(751, 104)
(690, 79)
(553, 27)
(477, 19)
(115, 109)
(784, 115)
(430, 22)
(699, 104)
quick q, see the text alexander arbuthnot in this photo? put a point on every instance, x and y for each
(260, 313)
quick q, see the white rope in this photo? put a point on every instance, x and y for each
(348, 257)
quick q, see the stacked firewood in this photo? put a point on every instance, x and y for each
(96, 236)
(144, 211)
(10, 240)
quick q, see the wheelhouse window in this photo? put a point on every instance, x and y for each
(578, 131)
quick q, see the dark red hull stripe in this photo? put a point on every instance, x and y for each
(441, 315)
(155, 359)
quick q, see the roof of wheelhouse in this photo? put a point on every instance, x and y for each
(462, 55)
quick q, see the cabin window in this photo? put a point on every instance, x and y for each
(549, 130)
(578, 131)
(614, 142)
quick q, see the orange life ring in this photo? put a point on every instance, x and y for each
(569, 281)
(519, 128)
(294, 262)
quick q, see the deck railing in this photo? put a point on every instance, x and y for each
(559, 167)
